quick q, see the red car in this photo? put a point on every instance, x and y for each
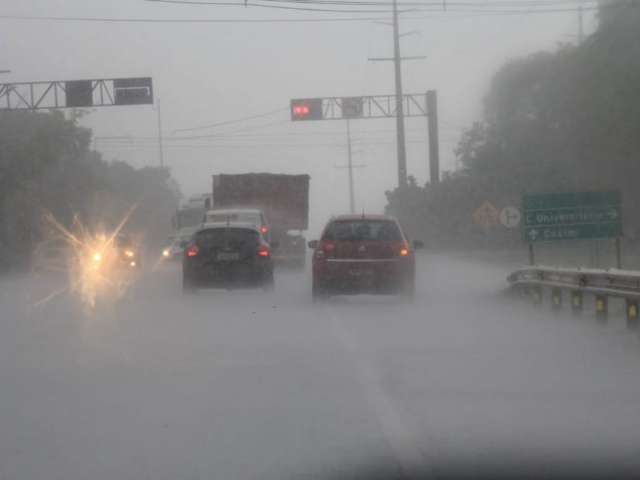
(363, 254)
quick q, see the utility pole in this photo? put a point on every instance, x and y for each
(401, 147)
(160, 148)
(397, 62)
(350, 167)
(432, 128)
(580, 25)
(352, 204)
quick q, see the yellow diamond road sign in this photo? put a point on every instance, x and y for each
(486, 215)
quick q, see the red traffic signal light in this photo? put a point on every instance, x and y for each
(301, 110)
(306, 109)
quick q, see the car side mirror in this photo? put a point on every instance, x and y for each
(313, 244)
(418, 244)
(275, 245)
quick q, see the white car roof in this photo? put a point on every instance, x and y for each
(235, 210)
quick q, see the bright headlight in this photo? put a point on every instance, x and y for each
(129, 253)
(165, 253)
(97, 257)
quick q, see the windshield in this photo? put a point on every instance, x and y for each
(319, 239)
(188, 217)
(186, 233)
(243, 217)
(227, 237)
(363, 230)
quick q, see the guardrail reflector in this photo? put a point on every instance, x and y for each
(576, 301)
(601, 307)
(632, 313)
(556, 298)
(536, 295)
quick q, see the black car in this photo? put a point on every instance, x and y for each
(227, 256)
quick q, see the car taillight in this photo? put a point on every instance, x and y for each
(327, 247)
(403, 250)
(263, 252)
(264, 229)
(193, 251)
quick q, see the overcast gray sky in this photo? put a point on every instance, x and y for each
(206, 73)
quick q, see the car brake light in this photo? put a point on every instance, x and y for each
(403, 249)
(327, 247)
(264, 229)
(263, 252)
(193, 251)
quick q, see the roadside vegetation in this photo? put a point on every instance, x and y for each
(566, 120)
(47, 166)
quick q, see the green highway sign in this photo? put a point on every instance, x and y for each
(572, 216)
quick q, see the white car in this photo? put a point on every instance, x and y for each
(252, 216)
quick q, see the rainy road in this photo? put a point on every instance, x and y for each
(245, 385)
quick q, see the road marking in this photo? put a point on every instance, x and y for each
(395, 431)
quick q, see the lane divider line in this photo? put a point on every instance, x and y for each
(403, 444)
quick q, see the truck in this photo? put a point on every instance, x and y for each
(191, 212)
(284, 199)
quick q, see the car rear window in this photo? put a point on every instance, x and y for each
(227, 237)
(363, 230)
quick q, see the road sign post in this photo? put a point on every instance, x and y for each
(573, 216)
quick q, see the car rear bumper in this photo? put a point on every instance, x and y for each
(363, 276)
(228, 274)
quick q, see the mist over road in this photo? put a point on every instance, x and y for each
(246, 384)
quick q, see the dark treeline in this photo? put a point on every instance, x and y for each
(553, 121)
(46, 165)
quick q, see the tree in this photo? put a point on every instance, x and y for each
(553, 121)
(46, 165)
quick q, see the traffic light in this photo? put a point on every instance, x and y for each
(306, 109)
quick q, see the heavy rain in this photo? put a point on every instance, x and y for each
(319, 239)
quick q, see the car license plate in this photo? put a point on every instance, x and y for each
(361, 272)
(228, 256)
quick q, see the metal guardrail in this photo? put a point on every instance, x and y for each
(602, 284)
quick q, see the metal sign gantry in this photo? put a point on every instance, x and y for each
(371, 106)
(76, 93)
(377, 106)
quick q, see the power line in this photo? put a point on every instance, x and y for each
(451, 13)
(188, 20)
(222, 134)
(440, 5)
(451, 7)
(231, 122)
(337, 144)
(362, 136)
(277, 7)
